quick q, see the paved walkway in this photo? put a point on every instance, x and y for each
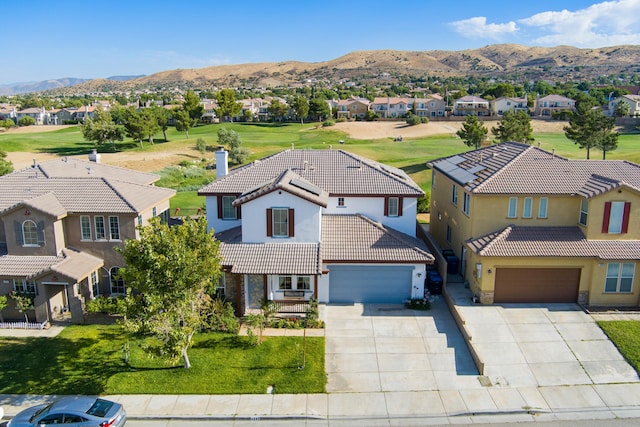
(388, 366)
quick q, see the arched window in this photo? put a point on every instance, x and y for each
(117, 282)
(29, 233)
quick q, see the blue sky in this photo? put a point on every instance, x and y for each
(49, 40)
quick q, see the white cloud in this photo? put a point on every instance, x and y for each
(477, 27)
(601, 24)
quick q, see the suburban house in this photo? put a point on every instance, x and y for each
(530, 226)
(550, 104)
(501, 105)
(633, 101)
(391, 107)
(352, 108)
(60, 221)
(471, 106)
(40, 115)
(428, 107)
(325, 224)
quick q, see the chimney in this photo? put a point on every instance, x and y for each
(222, 165)
(94, 156)
(35, 163)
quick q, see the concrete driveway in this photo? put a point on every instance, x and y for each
(380, 348)
(540, 344)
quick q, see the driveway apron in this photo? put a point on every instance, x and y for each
(389, 348)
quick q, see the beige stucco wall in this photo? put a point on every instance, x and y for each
(18, 216)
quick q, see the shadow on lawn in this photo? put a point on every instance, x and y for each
(415, 168)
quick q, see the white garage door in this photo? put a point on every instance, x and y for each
(369, 284)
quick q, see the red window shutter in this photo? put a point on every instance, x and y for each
(386, 206)
(219, 207)
(399, 206)
(605, 218)
(269, 223)
(291, 223)
(625, 217)
(239, 212)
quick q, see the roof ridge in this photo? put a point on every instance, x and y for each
(498, 237)
(370, 163)
(124, 199)
(509, 163)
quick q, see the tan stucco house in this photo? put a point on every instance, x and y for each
(530, 226)
(60, 221)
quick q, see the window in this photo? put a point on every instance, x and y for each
(449, 231)
(341, 201)
(114, 228)
(228, 211)
(527, 207)
(619, 277)
(23, 286)
(94, 283)
(454, 195)
(139, 219)
(393, 206)
(29, 233)
(513, 207)
(616, 217)
(85, 227)
(117, 282)
(304, 282)
(433, 178)
(280, 222)
(542, 207)
(100, 230)
(284, 282)
(221, 288)
(466, 199)
(154, 212)
(584, 212)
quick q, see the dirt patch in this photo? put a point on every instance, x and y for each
(35, 129)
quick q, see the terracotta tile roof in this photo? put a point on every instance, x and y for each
(290, 182)
(355, 238)
(516, 168)
(26, 266)
(47, 203)
(515, 241)
(267, 258)
(335, 171)
(77, 265)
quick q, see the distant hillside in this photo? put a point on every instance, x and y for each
(18, 88)
(505, 60)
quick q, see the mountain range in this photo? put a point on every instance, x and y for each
(511, 61)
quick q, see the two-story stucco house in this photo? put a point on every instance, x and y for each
(530, 226)
(60, 221)
(325, 224)
(391, 107)
(471, 106)
(501, 105)
(550, 104)
(352, 108)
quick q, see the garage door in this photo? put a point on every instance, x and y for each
(536, 285)
(375, 284)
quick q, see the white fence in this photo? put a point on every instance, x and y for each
(23, 325)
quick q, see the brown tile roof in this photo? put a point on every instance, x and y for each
(26, 266)
(70, 167)
(267, 258)
(355, 238)
(290, 182)
(516, 241)
(335, 171)
(516, 168)
(77, 265)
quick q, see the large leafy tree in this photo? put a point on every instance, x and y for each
(193, 106)
(300, 106)
(135, 125)
(514, 126)
(277, 109)
(162, 116)
(473, 131)
(228, 108)
(101, 129)
(170, 270)
(231, 139)
(319, 109)
(622, 109)
(590, 128)
(183, 121)
(5, 165)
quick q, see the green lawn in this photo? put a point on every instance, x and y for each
(89, 359)
(625, 335)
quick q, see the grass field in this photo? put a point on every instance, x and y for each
(89, 359)
(624, 334)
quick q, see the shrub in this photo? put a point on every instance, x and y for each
(328, 123)
(104, 304)
(419, 304)
(201, 145)
(26, 121)
(424, 204)
(219, 316)
(371, 116)
(413, 120)
(341, 120)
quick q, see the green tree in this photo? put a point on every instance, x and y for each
(150, 122)
(319, 109)
(621, 109)
(26, 121)
(193, 106)
(4, 301)
(277, 109)
(162, 116)
(101, 129)
(5, 165)
(300, 106)
(169, 271)
(23, 303)
(228, 108)
(183, 121)
(590, 128)
(7, 123)
(514, 126)
(231, 139)
(473, 132)
(135, 125)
